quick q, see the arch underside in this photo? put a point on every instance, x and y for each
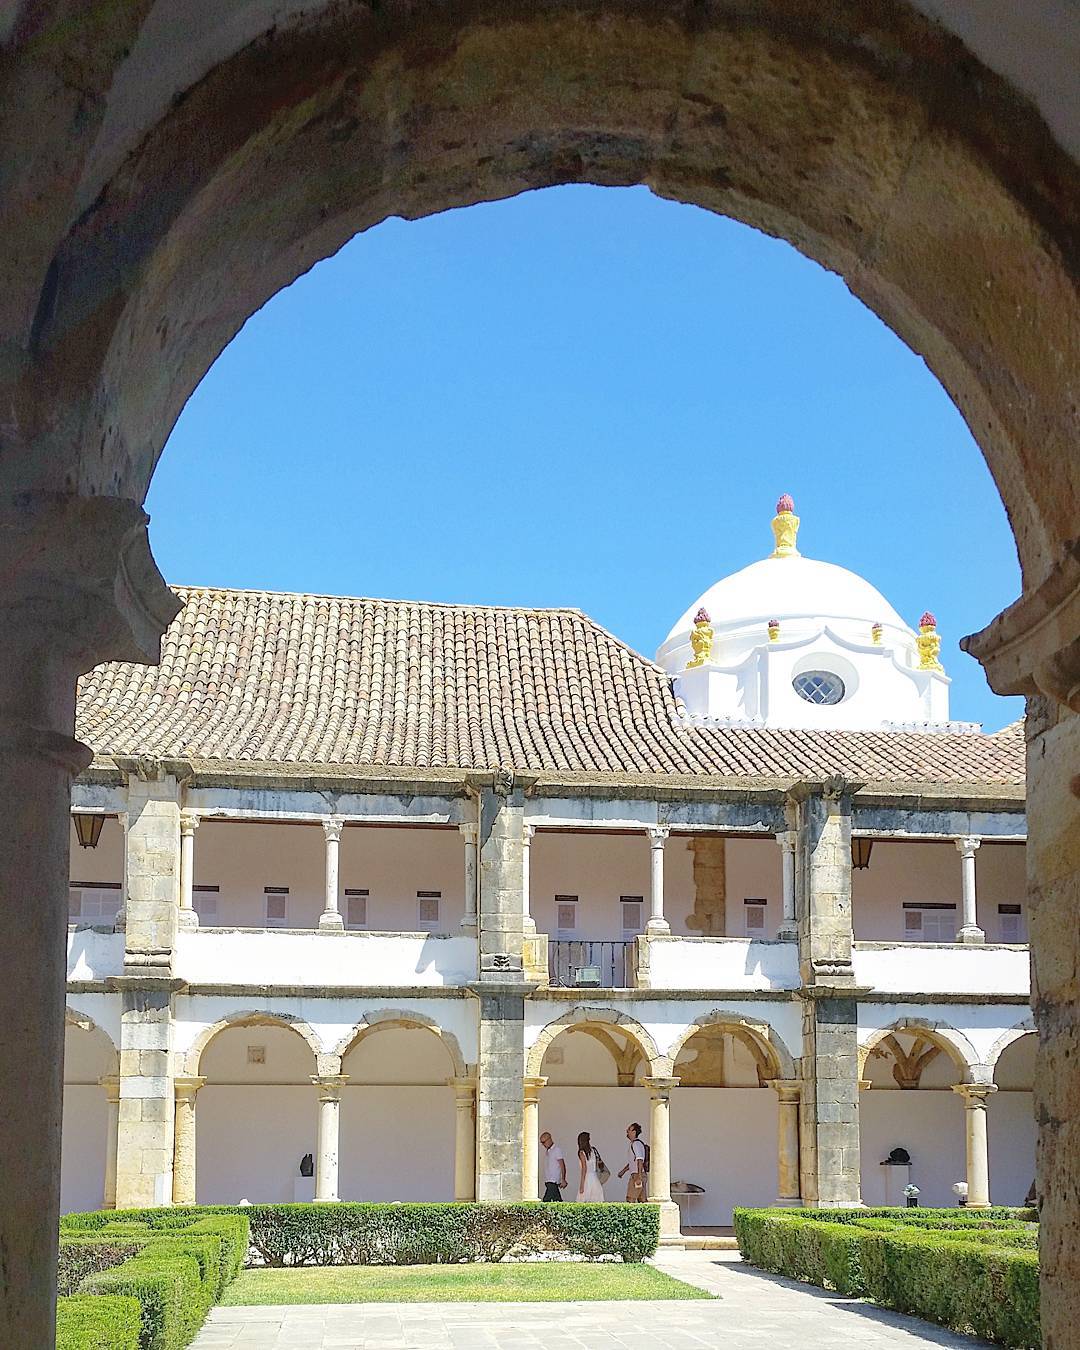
(841, 140)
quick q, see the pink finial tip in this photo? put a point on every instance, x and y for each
(928, 621)
(774, 623)
(785, 504)
(702, 616)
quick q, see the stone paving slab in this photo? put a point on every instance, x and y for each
(754, 1311)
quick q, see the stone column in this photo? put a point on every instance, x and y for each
(184, 1152)
(151, 867)
(978, 1163)
(657, 923)
(789, 928)
(787, 1140)
(464, 1138)
(501, 990)
(111, 1084)
(468, 834)
(189, 823)
(326, 1154)
(970, 932)
(144, 1165)
(829, 1116)
(531, 1139)
(527, 920)
(330, 920)
(660, 1090)
(79, 587)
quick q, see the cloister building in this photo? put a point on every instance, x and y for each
(400, 885)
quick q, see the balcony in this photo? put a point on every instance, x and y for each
(942, 968)
(94, 953)
(223, 956)
(722, 963)
(590, 965)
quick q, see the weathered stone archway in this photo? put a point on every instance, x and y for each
(160, 189)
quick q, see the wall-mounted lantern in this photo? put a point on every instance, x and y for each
(88, 828)
(861, 849)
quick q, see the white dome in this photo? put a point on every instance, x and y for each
(789, 588)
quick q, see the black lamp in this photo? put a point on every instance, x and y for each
(88, 828)
(861, 849)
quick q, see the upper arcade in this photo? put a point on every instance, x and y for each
(793, 642)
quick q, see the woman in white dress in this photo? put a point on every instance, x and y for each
(589, 1188)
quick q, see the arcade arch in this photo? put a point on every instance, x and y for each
(175, 176)
(91, 1104)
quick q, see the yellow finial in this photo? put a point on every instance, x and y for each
(928, 643)
(785, 528)
(701, 639)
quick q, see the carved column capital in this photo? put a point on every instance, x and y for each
(658, 835)
(187, 1089)
(332, 827)
(967, 844)
(189, 822)
(329, 1085)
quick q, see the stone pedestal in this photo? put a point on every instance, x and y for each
(978, 1162)
(184, 1158)
(660, 1090)
(464, 1138)
(329, 1126)
(788, 1093)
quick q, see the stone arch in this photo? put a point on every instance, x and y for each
(773, 1058)
(252, 1017)
(1017, 1033)
(835, 131)
(602, 1019)
(940, 1034)
(387, 1018)
(75, 1017)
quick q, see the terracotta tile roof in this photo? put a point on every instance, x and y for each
(255, 677)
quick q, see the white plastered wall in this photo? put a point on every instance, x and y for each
(919, 871)
(392, 864)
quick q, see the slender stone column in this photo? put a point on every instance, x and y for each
(660, 1090)
(787, 1140)
(789, 928)
(147, 1100)
(657, 923)
(530, 1166)
(978, 1163)
(184, 1152)
(468, 833)
(527, 920)
(326, 1165)
(330, 920)
(111, 1084)
(464, 1138)
(971, 932)
(189, 823)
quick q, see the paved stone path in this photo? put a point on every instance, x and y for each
(754, 1312)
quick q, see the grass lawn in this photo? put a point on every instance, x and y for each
(479, 1283)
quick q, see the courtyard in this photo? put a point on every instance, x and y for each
(748, 1309)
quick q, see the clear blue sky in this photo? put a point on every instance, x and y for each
(583, 397)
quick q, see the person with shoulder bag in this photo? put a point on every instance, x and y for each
(637, 1165)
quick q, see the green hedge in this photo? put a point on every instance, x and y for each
(176, 1274)
(89, 1322)
(87, 1254)
(407, 1234)
(980, 1282)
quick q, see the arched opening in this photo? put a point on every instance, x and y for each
(1010, 1122)
(398, 1114)
(907, 1103)
(256, 1117)
(724, 1123)
(89, 1135)
(593, 1072)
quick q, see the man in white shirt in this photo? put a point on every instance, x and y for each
(636, 1155)
(554, 1168)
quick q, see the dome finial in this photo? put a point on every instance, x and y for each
(929, 643)
(785, 528)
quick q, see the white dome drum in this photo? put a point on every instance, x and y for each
(793, 642)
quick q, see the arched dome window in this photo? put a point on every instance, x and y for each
(820, 687)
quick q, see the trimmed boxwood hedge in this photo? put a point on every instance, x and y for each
(175, 1272)
(89, 1322)
(408, 1234)
(969, 1272)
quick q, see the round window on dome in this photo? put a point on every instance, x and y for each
(820, 687)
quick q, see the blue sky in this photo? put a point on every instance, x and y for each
(585, 397)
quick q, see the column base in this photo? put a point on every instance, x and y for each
(787, 933)
(330, 921)
(788, 1202)
(658, 927)
(670, 1221)
(468, 927)
(187, 921)
(971, 933)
